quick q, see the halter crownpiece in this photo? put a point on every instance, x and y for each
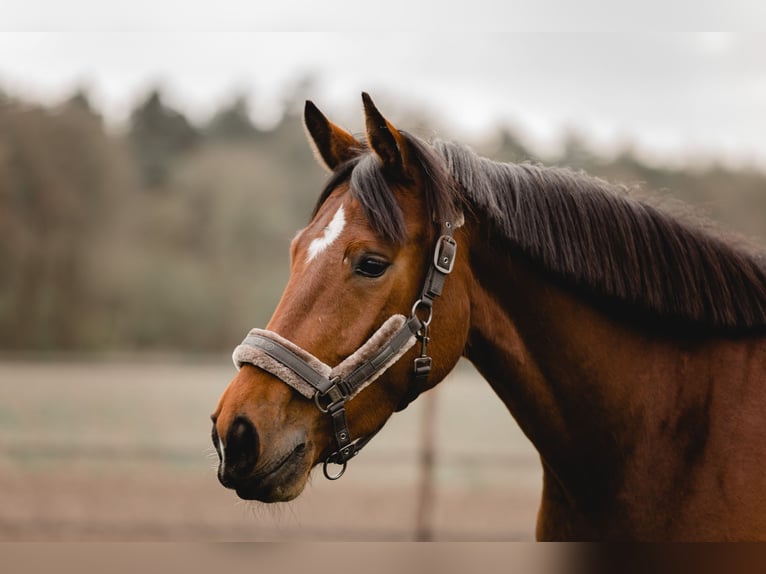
(331, 387)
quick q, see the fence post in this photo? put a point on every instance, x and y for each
(424, 519)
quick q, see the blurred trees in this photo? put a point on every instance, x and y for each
(176, 236)
(58, 175)
(232, 122)
(159, 135)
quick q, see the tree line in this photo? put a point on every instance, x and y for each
(173, 235)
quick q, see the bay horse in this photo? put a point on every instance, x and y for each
(628, 342)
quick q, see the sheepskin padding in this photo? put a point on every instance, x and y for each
(245, 353)
(379, 339)
(248, 354)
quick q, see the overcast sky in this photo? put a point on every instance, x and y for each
(674, 94)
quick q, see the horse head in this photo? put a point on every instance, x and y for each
(367, 321)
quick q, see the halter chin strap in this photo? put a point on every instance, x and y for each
(331, 387)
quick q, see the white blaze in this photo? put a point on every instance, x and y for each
(331, 233)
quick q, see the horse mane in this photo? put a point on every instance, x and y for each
(597, 237)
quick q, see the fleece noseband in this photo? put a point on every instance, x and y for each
(332, 387)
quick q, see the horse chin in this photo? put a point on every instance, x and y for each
(275, 493)
(280, 484)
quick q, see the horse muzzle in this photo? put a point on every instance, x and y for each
(269, 476)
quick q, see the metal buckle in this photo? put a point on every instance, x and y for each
(422, 366)
(445, 254)
(333, 392)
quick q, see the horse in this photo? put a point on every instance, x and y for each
(627, 340)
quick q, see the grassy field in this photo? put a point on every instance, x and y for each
(120, 450)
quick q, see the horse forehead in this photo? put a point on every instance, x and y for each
(337, 215)
(328, 235)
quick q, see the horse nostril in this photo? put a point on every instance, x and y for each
(239, 453)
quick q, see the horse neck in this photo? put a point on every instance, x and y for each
(634, 427)
(530, 341)
(581, 385)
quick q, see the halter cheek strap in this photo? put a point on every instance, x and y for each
(332, 387)
(445, 254)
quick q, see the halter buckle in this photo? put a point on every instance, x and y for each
(422, 367)
(444, 254)
(334, 393)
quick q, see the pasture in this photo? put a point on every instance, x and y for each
(120, 450)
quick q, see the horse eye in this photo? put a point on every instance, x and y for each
(371, 267)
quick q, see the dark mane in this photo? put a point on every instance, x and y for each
(591, 234)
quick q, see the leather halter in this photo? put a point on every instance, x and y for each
(330, 390)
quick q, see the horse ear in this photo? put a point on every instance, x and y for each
(333, 145)
(383, 138)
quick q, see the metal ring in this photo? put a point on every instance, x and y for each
(317, 395)
(419, 302)
(327, 474)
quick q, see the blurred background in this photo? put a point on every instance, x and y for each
(151, 181)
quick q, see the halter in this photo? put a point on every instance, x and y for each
(332, 387)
